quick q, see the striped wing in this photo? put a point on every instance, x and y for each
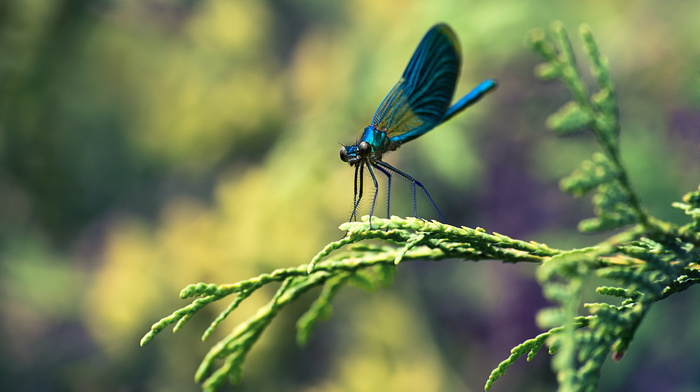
(419, 101)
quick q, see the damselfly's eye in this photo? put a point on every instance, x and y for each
(364, 149)
(343, 155)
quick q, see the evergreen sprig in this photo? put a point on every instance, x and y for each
(645, 262)
(616, 203)
(369, 267)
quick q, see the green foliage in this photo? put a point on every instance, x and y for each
(615, 202)
(646, 261)
(366, 266)
(691, 206)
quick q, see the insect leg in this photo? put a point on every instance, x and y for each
(388, 188)
(357, 196)
(415, 183)
(376, 190)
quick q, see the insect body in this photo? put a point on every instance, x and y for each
(418, 103)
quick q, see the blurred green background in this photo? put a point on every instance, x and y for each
(146, 145)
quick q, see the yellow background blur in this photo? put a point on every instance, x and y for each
(146, 145)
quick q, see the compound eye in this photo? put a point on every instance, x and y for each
(364, 148)
(343, 155)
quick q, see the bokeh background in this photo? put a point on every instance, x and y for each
(146, 145)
